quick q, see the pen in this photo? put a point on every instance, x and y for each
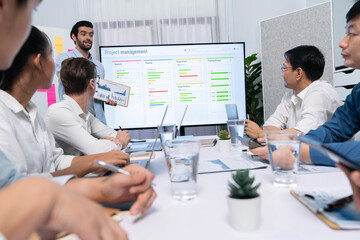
(340, 203)
(116, 169)
(248, 117)
(120, 128)
(111, 167)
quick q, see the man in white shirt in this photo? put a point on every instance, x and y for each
(311, 103)
(75, 129)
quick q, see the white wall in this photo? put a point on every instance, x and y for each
(55, 13)
(247, 16)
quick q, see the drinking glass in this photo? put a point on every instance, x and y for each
(284, 149)
(166, 132)
(182, 157)
(236, 130)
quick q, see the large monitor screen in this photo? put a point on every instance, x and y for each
(203, 76)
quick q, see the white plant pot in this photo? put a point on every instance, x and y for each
(224, 146)
(244, 213)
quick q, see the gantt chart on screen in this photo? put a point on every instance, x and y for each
(204, 76)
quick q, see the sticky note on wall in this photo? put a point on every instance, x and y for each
(59, 44)
(51, 95)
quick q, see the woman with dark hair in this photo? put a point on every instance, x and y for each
(26, 141)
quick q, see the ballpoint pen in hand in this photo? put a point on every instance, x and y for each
(113, 168)
(340, 203)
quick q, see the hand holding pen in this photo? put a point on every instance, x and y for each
(135, 185)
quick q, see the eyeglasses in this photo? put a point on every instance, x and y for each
(283, 68)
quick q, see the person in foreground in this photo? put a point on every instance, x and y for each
(63, 206)
(58, 210)
(345, 122)
(311, 101)
(75, 129)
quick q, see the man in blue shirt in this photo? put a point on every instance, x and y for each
(82, 34)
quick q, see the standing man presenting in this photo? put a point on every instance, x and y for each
(82, 34)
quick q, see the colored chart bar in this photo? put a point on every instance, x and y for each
(222, 95)
(158, 91)
(222, 92)
(189, 75)
(155, 72)
(222, 85)
(220, 73)
(221, 100)
(157, 103)
(220, 79)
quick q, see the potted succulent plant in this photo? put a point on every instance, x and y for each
(244, 202)
(224, 142)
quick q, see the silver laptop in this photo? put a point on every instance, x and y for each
(144, 163)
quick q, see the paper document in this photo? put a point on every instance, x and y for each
(309, 169)
(106, 89)
(317, 200)
(231, 162)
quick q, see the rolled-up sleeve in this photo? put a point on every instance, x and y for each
(280, 117)
(66, 128)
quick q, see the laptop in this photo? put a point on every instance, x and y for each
(332, 154)
(181, 121)
(145, 162)
(231, 111)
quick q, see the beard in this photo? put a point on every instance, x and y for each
(82, 46)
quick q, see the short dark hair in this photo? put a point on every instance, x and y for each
(21, 3)
(309, 59)
(75, 74)
(37, 42)
(75, 28)
(353, 12)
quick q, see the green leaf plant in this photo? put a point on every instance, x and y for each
(254, 103)
(242, 187)
(224, 135)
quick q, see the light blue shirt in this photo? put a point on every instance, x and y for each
(8, 172)
(97, 110)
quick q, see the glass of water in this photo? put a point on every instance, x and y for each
(284, 150)
(182, 158)
(236, 130)
(166, 132)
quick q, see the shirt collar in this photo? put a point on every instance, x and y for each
(78, 54)
(301, 95)
(76, 107)
(16, 107)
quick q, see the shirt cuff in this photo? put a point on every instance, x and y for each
(62, 180)
(318, 158)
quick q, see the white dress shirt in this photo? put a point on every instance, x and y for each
(26, 141)
(307, 110)
(78, 132)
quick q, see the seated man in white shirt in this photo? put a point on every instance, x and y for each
(311, 103)
(75, 129)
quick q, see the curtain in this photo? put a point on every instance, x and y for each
(145, 22)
